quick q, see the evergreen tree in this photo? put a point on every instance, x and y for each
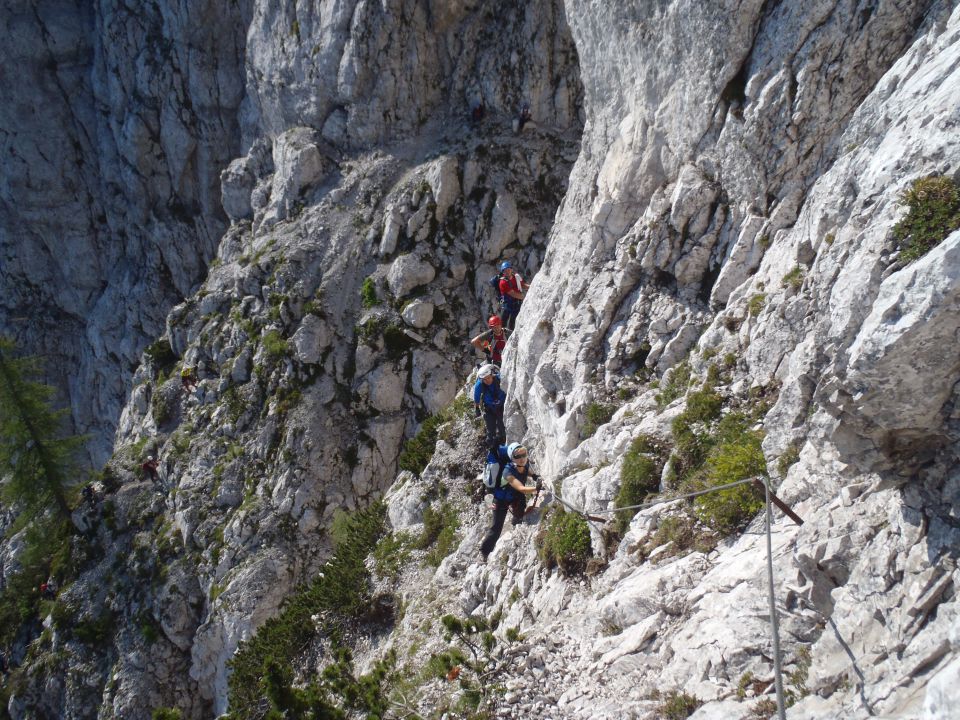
(36, 458)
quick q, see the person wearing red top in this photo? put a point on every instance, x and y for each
(512, 289)
(492, 341)
(149, 469)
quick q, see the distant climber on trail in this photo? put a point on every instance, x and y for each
(492, 341)
(48, 589)
(512, 289)
(488, 398)
(89, 494)
(522, 119)
(149, 468)
(478, 111)
(188, 378)
(510, 492)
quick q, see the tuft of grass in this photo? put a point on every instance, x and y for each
(596, 414)
(677, 705)
(275, 345)
(676, 385)
(756, 303)
(933, 212)
(763, 709)
(794, 278)
(564, 542)
(683, 533)
(798, 678)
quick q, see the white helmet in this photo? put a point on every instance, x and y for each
(512, 448)
(487, 370)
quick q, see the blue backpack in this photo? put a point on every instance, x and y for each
(495, 284)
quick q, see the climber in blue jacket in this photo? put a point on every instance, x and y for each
(488, 398)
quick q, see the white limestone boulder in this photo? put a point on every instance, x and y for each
(299, 164)
(408, 272)
(433, 379)
(311, 339)
(418, 314)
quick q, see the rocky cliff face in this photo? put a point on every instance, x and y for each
(704, 201)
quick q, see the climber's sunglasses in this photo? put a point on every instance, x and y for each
(519, 456)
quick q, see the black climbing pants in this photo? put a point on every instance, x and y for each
(508, 314)
(500, 509)
(496, 432)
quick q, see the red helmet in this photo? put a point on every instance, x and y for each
(494, 322)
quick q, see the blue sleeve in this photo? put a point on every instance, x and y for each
(476, 391)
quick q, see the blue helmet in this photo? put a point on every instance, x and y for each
(504, 265)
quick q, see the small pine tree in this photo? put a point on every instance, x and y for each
(35, 455)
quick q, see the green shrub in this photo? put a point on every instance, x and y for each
(439, 532)
(96, 631)
(419, 449)
(933, 212)
(166, 714)
(597, 414)
(703, 406)
(161, 356)
(790, 456)
(162, 406)
(275, 346)
(341, 593)
(676, 385)
(368, 293)
(48, 551)
(396, 342)
(756, 303)
(565, 542)
(678, 706)
(734, 459)
(639, 476)
(392, 553)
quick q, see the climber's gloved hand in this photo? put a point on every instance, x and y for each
(476, 411)
(539, 483)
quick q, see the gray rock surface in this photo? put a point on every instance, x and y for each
(725, 216)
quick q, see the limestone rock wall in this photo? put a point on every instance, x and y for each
(728, 202)
(117, 122)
